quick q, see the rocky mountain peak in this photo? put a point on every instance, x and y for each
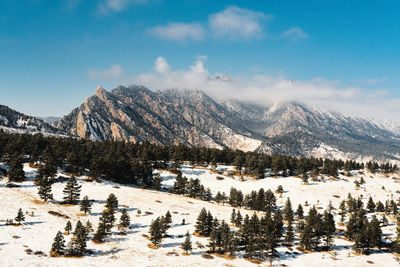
(173, 116)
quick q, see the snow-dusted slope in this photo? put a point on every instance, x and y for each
(131, 250)
(12, 121)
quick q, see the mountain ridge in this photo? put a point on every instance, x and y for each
(171, 116)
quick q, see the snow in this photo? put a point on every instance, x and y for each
(40, 229)
(4, 119)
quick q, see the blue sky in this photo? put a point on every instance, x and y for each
(335, 54)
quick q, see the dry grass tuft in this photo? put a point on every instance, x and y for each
(152, 246)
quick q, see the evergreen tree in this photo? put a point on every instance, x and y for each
(86, 205)
(16, 171)
(300, 212)
(355, 223)
(68, 227)
(89, 227)
(72, 190)
(187, 244)
(396, 243)
(201, 223)
(288, 211)
(101, 232)
(233, 216)
(180, 184)
(107, 219)
(279, 189)
(20, 217)
(370, 205)
(362, 240)
(343, 210)
(305, 177)
(112, 204)
(289, 232)
(80, 239)
(58, 246)
(157, 182)
(312, 232)
(125, 220)
(238, 219)
(218, 197)
(44, 189)
(155, 231)
(233, 243)
(380, 207)
(328, 228)
(375, 232)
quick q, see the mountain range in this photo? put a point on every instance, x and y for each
(137, 114)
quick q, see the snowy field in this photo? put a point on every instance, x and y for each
(40, 227)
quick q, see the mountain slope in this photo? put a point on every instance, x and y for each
(15, 122)
(138, 114)
(164, 117)
(296, 129)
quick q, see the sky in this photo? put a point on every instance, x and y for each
(337, 55)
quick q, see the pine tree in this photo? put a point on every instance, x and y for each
(218, 197)
(343, 210)
(328, 228)
(239, 219)
(362, 241)
(168, 219)
(279, 189)
(68, 227)
(396, 243)
(370, 205)
(125, 221)
(16, 172)
(201, 223)
(157, 182)
(233, 216)
(86, 205)
(20, 217)
(288, 211)
(80, 239)
(155, 232)
(312, 232)
(289, 232)
(44, 189)
(72, 190)
(107, 219)
(187, 244)
(299, 212)
(58, 246)
(89, 227)
(305, 178)
(233, 243)
(101, 232)
(112, 204)
(375, 232)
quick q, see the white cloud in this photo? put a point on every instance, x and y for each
(236, 23)
(161, 65)
(178, 31)
(108, 6)
(295, 33)
(198, 66)
(266, 89)
(113, 73)
(374, 81)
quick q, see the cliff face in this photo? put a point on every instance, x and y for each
(137, 114)
(163, 117)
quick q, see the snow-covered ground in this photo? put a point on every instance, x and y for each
(39, 230)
